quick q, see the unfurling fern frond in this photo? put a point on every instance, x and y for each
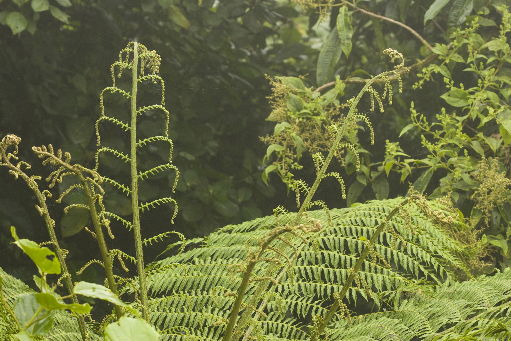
(413, 248)
(143, 68)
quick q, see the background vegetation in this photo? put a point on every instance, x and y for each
(222, 60)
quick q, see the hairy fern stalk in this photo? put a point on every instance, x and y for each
(144, 66)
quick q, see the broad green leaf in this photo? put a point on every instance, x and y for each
(330, 96)
(354, 192)
(40, 5)
(406, 129)
(23, 336)
(295, 103)
(493, 143)
(130, 329)
(496, 45)
(177, 17)
(16, 22)
(273, 148)
(504, 119)
(74, 221)
(500, 242)
(50, 302)
(44, 258)
(388, 166)
(299, 145)
(97, 291)
(423, 180)
(328, 58)
(226, 208)
(345, 30)
(459, 11)
(25, 307)
(456, 97)
(292, 82)
(58, 14)
(266, 173)
(380, 187)
(280, 127)
(434, 9)
(477, 147)
(506, 136)
(64, 3)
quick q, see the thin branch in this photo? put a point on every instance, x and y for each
(358, 80)
(395, 22)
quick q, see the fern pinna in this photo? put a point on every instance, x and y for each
(143, 67)
(192, 291)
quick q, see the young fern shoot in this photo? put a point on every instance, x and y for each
(9, 147)
(143, 65)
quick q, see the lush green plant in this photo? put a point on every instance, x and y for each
(21, 15)
(289, 276)
(142, 66)
(379, 261)
(467, 144)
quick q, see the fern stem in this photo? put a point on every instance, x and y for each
(134, 185)
(100, 238)
(99, 235)
(354, 271)
(333, 149)
(341, 133)
(50, 226)
(247, 274)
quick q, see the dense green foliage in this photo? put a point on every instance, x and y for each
(426, 124)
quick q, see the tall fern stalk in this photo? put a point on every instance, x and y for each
(139, 253)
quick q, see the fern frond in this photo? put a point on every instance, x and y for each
(160, 237)
(151, 139)
(144, 109)
(113, 120)
(120, 155)
(69, 190)
(414, 249)
(127, 224)
(125, 189)
(80, 206)
(479, 309)
(159, 202)
(158, 169)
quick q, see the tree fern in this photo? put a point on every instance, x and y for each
(473, 310)
(192, 291)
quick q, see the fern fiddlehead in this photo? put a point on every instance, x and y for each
(143, 65)
(8, 154)
(90, 181)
